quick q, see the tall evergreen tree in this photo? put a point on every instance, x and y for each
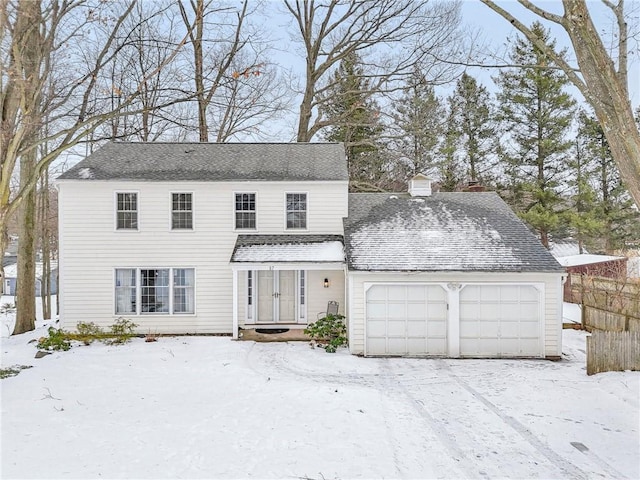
(472, 112)
(583, 218)
(418, 117)
(619, 220)
(537, 114)
(354, 118)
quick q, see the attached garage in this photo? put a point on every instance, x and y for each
(500, 321)
(406, 320)
(448, 274)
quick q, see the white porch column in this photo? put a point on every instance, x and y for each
(453, 323)
(235, 304)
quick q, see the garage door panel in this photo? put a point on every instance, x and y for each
(377, 328)
(529, 294)
(489, 329)
(416, 311)
(376, 346)
(500, 320)
(376, 311)
(416, 328)
(397, 311)
(437, 329)
(437, 311)
(406, 320)
(396, 293)
(436, 295)
(416, 293)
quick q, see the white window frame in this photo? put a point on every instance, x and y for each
(116, 210)
(306, 212)
(138, 294)
(255, 212)
(193, 225)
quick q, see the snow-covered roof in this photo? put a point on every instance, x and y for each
(11, 271)
(167, 161)
(585, 259)
(458, 231)
(564, 248)
(288, 249)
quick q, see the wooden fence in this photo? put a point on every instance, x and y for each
(611, 312)
(613, 351)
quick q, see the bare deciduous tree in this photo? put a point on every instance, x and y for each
(39, 80)
(601, 79)
(392, 35)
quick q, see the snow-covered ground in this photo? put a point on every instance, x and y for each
(211, 407)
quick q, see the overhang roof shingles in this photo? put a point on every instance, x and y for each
(159, 161)
(444, 232)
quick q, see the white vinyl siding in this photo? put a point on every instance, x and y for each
(90, 249)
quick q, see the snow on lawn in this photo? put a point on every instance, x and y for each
(211, 407)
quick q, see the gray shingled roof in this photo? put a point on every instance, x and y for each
(213, 162)
(288, 248)
(444, 232)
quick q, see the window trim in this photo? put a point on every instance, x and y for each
(138, 286)
(234, 211)
(306, 221)
(193, 217)
(115, 211)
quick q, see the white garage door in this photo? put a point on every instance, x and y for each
(500, 321)
(406, 320)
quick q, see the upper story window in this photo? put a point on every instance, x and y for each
(245, 210)
(127, 211)
(296, 210)
(181, 211)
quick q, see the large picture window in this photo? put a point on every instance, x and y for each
(143, 291)
(126, 211)
(245, 210)
(296, 210)
(181, 211)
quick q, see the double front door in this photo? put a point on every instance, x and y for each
(277, 296)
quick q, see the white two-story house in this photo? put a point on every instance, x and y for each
(211, 238)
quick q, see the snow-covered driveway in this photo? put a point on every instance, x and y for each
(208, 407)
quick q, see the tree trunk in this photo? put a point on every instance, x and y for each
(607, 94)
(45, 245)
(27, 37)
(26, 284)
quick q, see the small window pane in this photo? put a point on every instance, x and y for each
(127, 211)
(182, 211)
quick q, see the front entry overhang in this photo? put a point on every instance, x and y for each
(284, 252)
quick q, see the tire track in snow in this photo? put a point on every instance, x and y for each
(462, 460)
(565, 466)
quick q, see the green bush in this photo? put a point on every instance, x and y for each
(87, 332)
(57, 340)
(121, 331)
(329, 332)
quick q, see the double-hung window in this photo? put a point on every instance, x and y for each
(181, 211)
(245, 210)
(296, 210)
(127, 211)
(142, 291)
